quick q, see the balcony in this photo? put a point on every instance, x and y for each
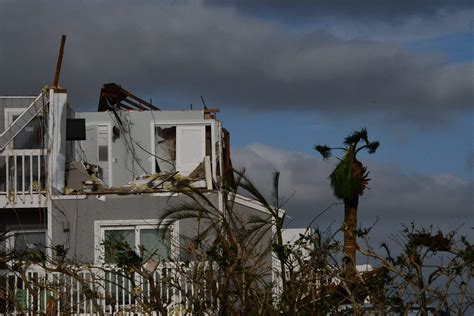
(23, 176)
(110, 291)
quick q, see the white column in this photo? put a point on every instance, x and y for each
(56, 154)
(57, 140)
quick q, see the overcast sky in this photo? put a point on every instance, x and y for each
(286, 75)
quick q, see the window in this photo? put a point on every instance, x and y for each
(96, 149)
(103, 151)
(149, 240)
(165, 148)
(23, 242)
(32, 136)
(180, 147)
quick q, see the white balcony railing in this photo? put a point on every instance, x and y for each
(22, 172)
(87, 292)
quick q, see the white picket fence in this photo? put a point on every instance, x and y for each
(91, 290)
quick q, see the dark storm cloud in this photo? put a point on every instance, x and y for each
(395, 197)
(374, 9)
(179, 51)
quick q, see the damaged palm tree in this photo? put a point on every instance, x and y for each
(349, 179)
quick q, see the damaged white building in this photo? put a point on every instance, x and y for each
(75, 179)
(70, 177)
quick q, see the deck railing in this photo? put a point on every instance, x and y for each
(22, 172)
(86, 292)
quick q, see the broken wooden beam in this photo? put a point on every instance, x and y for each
(59, 62)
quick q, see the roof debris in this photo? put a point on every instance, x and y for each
(114, 97)
(83, 178)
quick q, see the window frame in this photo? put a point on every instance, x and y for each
(9, 113)
(103, 225)
(204, 122)
(110, 160)
(10, 237)
(108, 126)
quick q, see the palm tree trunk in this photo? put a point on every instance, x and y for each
(350, 242)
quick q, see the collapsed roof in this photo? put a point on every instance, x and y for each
(114, 97)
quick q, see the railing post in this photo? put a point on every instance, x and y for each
(23, 175)
(69, 291)
(7, 170)
(39, 171)
(15, 173)
(31, 177)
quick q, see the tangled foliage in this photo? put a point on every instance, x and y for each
(240, 265)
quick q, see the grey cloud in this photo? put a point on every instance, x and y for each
(176, 52)
(395, 197)
(470, 161)
(375, 9)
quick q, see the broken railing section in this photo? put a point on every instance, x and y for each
(114, 97)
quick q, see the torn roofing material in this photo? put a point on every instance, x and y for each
(113, 96)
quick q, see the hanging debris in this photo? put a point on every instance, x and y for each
(114, 97)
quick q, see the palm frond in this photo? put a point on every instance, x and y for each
(206, 234)
(372, 147)
(324, 150)
(247, 185)
(349, 178)
(186, 209)
(194, 194)
(356, 137)
(258, 220)
(258, 228)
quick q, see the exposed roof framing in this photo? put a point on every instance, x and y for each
(113, 96)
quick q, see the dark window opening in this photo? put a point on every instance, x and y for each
(208, 141)
(30, 244)
(103, 153)
(33, 136)
(165, 148)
